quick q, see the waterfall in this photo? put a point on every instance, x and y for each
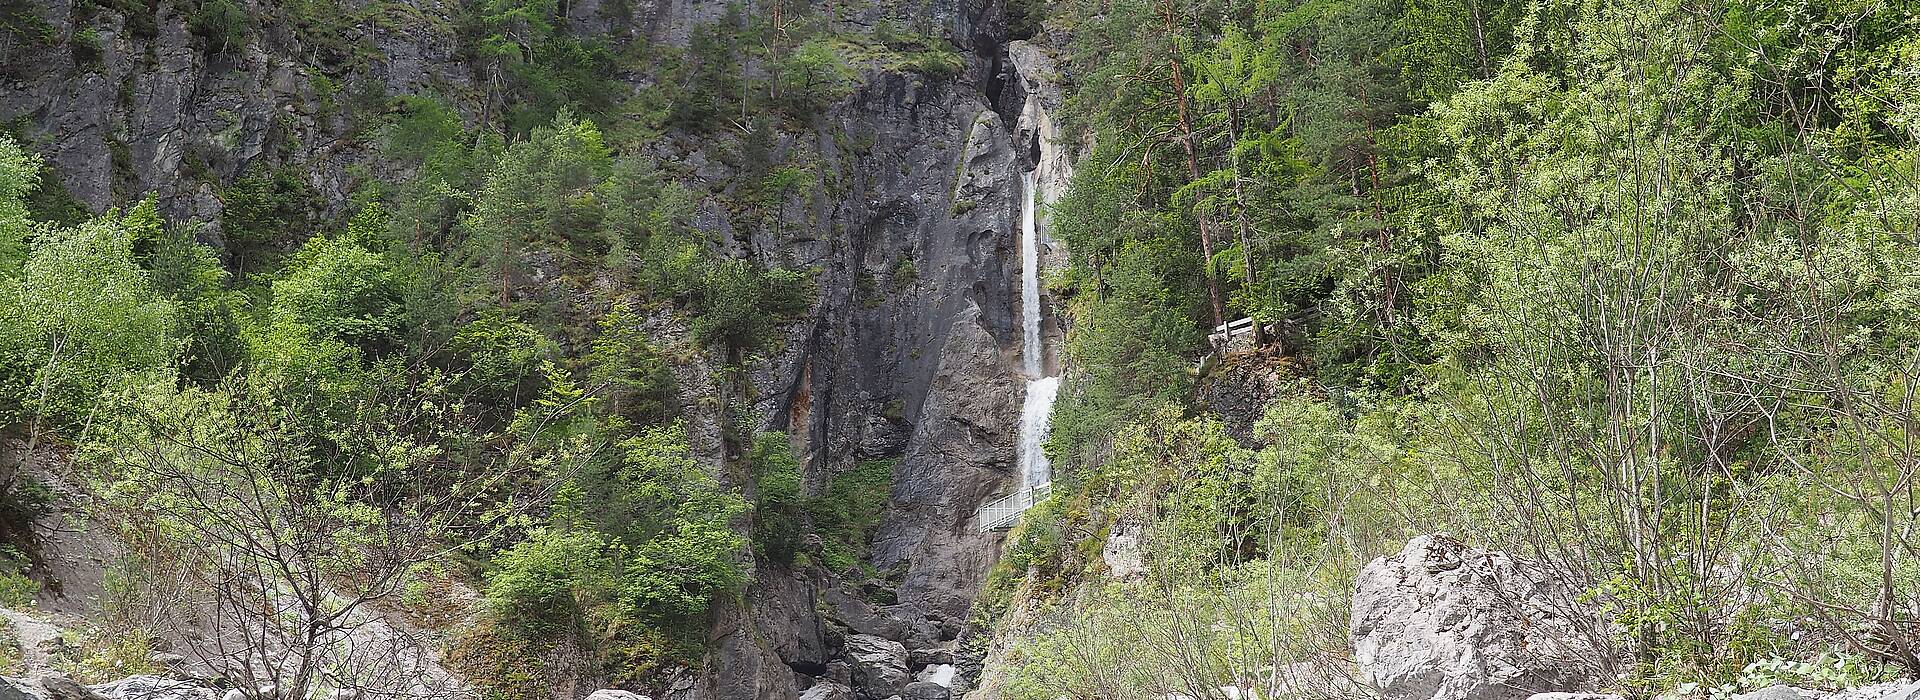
(1037, 410)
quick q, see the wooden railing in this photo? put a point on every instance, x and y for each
(1003, 512)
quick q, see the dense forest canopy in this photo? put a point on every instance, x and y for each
(1625, 286)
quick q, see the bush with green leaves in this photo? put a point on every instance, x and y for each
(266, 208)
(19, 178)
(778, 520)
(815, 75)
(80, 316)
(498, 359)
(632, 377)
(191, 275)
(547, 583)
(221, 24)
(846, 512)
(740, 304)
(632, 561)
(335, 289)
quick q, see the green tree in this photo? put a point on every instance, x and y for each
(80, 317)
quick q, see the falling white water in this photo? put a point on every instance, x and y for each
(1035, 470)
(941, 675)
(1032, 361)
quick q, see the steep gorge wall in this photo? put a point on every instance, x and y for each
(907, 355)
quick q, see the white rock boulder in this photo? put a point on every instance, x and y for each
(1445, 621)
(615, 694)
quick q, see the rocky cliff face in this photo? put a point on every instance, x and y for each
(907, 358)
(909, 351)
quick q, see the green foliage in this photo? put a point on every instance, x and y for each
(740, 303)
(19, 175)
(21, 21)
(777, 516)
(635, 575)
(542, 190)
(846, 512)
(499, 359)
(221, 24)
(815, 75)
(17, 591)
(634, 379)
(545, 584)
(80, 316)
(711, 86)
(428, 134)
(334, 289)
(542, 69)
(265, 211)
(191, 275)
(562, 188)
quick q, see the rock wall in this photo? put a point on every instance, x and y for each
(908, 354)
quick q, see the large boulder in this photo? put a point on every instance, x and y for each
(154, 688)
(17, 689)
(879, 665)
(1445, 621)
(1890, 690)
(615, 694)
(926, 690)
(827, 690)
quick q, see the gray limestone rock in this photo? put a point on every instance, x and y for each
(154, 688)
(827, 690)
(926, 690)
(615, 694)
(1780, 692)
(1890, 690)
(1445, 621)
(879, 665)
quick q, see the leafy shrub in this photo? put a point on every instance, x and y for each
(266, 206)
(336, 289)
(221, 24)
(545, 582)
(635, 575)
(631, 375)
(499, 359)
(740, 303)
(848, 510)
(813, 76)
(777, 523)
(16, 590)
(191, 275)
(80, 316)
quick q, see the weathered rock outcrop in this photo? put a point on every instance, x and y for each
(155, 688)
(903, 359)
(925, 690)
(828, 690)
(879, 666)
(1890, 690)
(1445, 621)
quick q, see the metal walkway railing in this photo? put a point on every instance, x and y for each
(1003, 512)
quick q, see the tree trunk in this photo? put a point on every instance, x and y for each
(1193, 167)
